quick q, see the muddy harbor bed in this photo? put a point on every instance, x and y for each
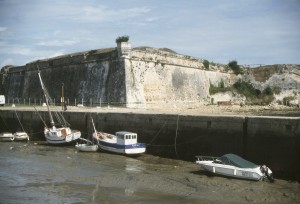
(35, 172)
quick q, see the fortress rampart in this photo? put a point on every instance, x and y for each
(132, 77)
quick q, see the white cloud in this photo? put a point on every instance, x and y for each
(2, 29)
(102, 14)
(7, 61)
(58, 43)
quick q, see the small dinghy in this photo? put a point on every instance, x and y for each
(6, 136)
(86, 147)
(234, 166)
(19, 136)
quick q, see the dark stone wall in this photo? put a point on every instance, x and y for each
(92, 75)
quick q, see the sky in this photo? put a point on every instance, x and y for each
(249, 31)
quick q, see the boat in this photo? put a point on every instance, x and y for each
(6, 136)
(89, 146)
(19, 136)
(53, 134)
(234, 166)
(123, 142)
(86, 147)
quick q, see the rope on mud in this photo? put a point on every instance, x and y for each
(176, 138)
(157, 133)
(19, 121)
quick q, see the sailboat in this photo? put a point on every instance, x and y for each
(53, 134)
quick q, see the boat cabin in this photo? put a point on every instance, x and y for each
(126, 138)
(59, 132)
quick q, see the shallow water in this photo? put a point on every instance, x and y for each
(38, 173)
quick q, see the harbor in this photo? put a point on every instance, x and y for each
(180, 135)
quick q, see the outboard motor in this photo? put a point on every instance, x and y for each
(265, 170)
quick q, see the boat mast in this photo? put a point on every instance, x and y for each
(94, 126)
(46, 97)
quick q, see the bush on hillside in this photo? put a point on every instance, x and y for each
(220, 88)
(206, 64)
(235, 67)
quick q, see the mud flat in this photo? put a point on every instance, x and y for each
(35, 172)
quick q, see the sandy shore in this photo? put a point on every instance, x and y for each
(38, 173)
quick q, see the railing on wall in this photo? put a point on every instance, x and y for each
(87, 102)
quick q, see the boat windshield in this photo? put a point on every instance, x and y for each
(235, 160)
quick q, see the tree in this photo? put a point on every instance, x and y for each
(268, 91)
(206, 64)
(124, 38)
(235, 67)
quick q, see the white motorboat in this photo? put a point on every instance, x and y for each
(6, 136)
(21, 136)
(123, 142)
(234, 166)
(55, 135)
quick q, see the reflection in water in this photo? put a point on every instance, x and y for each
(95, 191)
(134, 165)
(129, 191)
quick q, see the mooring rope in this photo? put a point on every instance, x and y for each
(157, 133)
(19, 121)
(40, 117)
(176, 138)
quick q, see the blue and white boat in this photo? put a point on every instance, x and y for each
(123, 142)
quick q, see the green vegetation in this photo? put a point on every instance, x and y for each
(286, 100)
(220, 88)
(92, 52)
(235, 67)
(254, 96)
(206, 64)
(246, 89)
(124, 38)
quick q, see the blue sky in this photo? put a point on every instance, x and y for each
(249, 31)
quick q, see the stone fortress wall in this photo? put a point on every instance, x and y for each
(133, 77)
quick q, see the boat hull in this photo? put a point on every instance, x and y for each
(232, 171)
(138, 148)
(62, 139)
(8, 137)
(86, 147)
(19, 136)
